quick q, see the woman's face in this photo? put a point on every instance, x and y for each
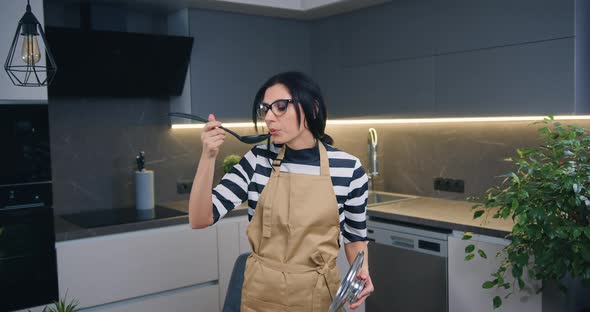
(285, 128)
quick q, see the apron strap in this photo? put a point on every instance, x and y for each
(279, 160)
(266, 210)
(324, 161)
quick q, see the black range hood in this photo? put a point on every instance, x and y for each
(117, 64)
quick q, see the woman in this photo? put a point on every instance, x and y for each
(302, 194)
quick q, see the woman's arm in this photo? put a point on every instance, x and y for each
(351, 250)
(200, 206)
(355, 228)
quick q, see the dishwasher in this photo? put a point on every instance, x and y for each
(408, 266)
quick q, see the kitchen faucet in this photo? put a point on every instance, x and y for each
(372, 155)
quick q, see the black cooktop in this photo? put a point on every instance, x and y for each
(107, 217)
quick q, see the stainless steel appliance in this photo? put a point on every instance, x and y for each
(28, 270)
(408, 267)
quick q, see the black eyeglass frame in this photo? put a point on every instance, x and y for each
(269, 107)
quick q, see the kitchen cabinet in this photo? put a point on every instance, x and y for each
(190, 299)
(466, 278)
(520, 80)
(437, 59)
(12, 11)
(230, 61)
(136, 268)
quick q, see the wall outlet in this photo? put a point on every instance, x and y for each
(184, 187)
(449, 185)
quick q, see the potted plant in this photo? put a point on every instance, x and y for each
(230, 161)
(548, 198)
(61, 306)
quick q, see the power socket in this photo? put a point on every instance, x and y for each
(184, 187)
(449, 185)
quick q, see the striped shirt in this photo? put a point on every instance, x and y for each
(246, 180)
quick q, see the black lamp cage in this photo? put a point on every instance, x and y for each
(22, 68)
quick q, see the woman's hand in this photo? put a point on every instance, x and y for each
(212, 137)
(364, 275)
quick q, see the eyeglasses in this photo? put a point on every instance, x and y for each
(278, 107)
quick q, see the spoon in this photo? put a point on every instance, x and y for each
(248, 139)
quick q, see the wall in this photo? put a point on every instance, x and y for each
(95, 140)
(94, 143)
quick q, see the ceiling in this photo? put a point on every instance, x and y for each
(296, 9)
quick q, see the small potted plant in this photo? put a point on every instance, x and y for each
(62, 306)
(230, 161)
(548, 198)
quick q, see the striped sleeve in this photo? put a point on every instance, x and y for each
(355, 207)
(232, 190)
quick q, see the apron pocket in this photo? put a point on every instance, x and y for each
(254, 305)
(301, 288)
(263, 283)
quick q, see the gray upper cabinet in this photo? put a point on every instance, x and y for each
(463, 25)
(429, 58)
(531, 79)
(10, 14)
(234, 54)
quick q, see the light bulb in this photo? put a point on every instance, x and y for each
(30, 52)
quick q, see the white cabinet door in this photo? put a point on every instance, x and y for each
(10, 14)
(244, 243)
(230, 235)
(201, 298)
(117, 267)
(467, 277)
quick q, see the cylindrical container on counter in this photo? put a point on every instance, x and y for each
(144, 189)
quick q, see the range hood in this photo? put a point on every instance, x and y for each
(117, 64)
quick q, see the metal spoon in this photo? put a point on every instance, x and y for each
(248, 139)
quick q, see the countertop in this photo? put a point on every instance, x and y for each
(441, 213)
(421, 211)
(65, 230)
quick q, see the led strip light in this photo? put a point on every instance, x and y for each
(400, 121)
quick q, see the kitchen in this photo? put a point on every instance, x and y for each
(391, 60)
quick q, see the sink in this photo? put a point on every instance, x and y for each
(379, 198)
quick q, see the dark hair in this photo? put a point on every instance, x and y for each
(305, 92)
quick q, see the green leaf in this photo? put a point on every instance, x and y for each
(488, 284)
(477, 214)
(470, 248)
(466, 236)
(514, 204)
(514, 177)
(497, 302)
(516, 272)
(520, 283)
(469, 257)
(482, 254)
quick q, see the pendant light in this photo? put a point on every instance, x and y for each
(25, 65)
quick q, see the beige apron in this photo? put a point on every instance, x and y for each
(294, 237)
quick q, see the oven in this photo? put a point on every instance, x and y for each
(28, 270)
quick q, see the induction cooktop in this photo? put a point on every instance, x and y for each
(107, 217)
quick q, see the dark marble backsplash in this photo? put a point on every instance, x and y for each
(94, 143)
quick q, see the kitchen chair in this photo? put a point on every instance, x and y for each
(233, 297)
